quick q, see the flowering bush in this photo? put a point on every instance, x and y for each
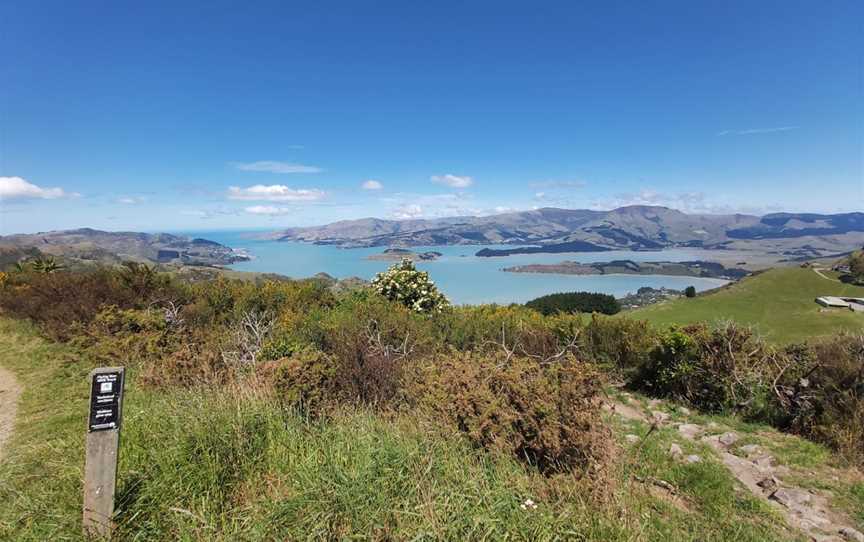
(413, 288)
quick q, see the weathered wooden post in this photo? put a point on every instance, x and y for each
(103, 442)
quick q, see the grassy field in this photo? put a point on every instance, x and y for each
(221, 465)
(779, 303)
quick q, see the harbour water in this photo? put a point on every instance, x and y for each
(463, 277)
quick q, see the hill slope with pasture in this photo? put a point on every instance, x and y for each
(780, 303)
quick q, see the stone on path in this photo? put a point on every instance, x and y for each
(764, 462)
(769, 485)
(675, 450)
(791, 498)
(690, 430)
(728, 439)
(851, 534)
(693, 459)
(749, 449)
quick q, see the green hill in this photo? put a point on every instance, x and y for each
(779, 303)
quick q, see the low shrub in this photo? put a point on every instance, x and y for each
(721, 369)
(59, 301)
(513, 328)
(547, 415)
(620, 345)
(820, 393)
(306, 381)
(573, 302)
(195, 362)
(371, 340)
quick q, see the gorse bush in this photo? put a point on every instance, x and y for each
(821, 393)
(574, 302)
(404, 284)
(62, 300)
(546, 414)
(306, 381)
(722, 369)
(622, 346)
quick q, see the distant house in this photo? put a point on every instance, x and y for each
(843, 268)
(855, 304)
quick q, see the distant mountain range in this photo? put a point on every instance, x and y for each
(91, 245)
(629, 228)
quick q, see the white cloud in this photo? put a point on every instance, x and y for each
(12, 188)
(131, 200)
(557, 184)
(372, 184)
(411, 210)
(275, 192)
(751, 131)
(272, 166)
(540, 195)
(211, 213)
(688, 202)
(268, 210)
(453, 181)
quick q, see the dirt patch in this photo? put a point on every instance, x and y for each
(10, 391)
(668, 495)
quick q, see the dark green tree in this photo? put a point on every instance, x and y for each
(856, 266)
(573, 302)
(690, 291)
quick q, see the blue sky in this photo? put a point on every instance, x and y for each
(171, 115)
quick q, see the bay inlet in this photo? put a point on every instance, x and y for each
(463, 277)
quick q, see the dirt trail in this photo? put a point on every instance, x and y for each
(10, 391)
(806, 510)
(818, 271)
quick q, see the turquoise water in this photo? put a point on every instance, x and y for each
(463, 277)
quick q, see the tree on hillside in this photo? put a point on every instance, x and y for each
(856, 266)
(574, 302)
(690, 291)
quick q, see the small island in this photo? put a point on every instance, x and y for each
(629, 267)
(399, 254)
(557, 248)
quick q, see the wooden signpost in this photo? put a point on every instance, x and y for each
(103, 441)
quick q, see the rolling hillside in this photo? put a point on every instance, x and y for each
(636, 227)
(779, 302)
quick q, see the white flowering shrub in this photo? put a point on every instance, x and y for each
(413, 288)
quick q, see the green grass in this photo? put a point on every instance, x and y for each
(779, 303)
(215, 465)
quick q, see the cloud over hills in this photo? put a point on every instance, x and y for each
(274, 192)
(453, 181)
(16, 188)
